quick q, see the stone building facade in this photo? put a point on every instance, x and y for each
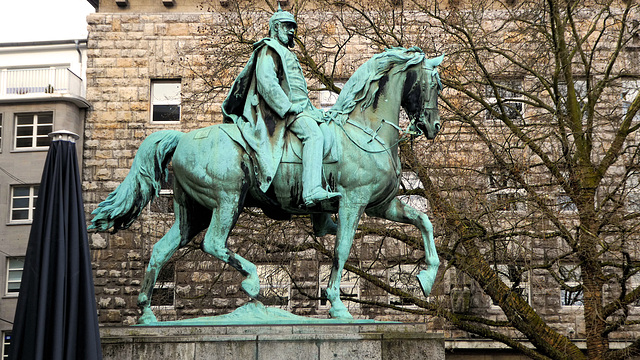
(138, 49)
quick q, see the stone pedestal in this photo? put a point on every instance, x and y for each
(385, 341)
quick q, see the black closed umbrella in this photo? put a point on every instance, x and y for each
(56, 312)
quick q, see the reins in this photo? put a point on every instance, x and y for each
(374, 135)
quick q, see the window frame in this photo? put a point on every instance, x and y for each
(165, 102)
(507, 98)
(8, 272)
(630, 88)
(573, 278)
(162, 284)
(525, 281)
(565, 204)
(6, 344)
(410, 286)
(33, 199)
(502, 190)
(632, 184)
(349, 288)
(409, 180)
(1, 124)
(328, 98)
(163, 203)
(275, 279)
(633, 282)
(580, 86)
(35, 135)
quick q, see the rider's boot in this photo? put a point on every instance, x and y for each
(323, 225)
(312, 190)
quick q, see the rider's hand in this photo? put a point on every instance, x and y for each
(296, 109)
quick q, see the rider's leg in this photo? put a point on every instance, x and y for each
(307, 130)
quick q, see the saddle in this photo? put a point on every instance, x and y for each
(292, 152)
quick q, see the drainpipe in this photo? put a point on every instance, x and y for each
(82, 67)
(78, 50)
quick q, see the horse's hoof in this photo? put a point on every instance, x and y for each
(143, 301)
(251, 286)
(342, 313)
(147, 317)
(426, 279)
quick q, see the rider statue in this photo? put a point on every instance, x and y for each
(269, 97)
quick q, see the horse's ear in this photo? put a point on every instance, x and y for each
(435, 61)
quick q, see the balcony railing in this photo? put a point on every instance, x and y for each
(16, 82)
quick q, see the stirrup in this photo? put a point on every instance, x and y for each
(318, 195)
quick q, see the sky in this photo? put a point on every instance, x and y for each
(40, 20)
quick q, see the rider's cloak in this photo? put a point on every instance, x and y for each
(261, 121)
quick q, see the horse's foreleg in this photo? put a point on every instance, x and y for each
(162, 252)
(348, 217)
(401, 212)
(215, 243)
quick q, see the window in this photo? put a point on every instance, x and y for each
(14, 275)
(349, 288)
(404, 277)
(580, 87)
(328, 98)
(565, 204)
(509, 96)
(165, 101)
(632, 201)
(630, 90)
(164, 202)
(632, 284)
(0, 132)
(275, 285)
(571, 291)
(32, 130)
(23, 203)
(503, 192)
(516, 278)
(410, 181)
(164, 290)
(6, 343)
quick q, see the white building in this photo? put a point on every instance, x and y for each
(42, 89)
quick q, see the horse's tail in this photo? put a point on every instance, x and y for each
(140, 186)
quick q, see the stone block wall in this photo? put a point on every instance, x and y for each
(126, 51)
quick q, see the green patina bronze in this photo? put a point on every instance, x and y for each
(255, 313)
(269, 99)
(269, 154)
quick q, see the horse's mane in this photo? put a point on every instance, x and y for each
(356, 90)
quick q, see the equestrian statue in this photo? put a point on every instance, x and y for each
(276, 151)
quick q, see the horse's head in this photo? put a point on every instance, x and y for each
(420, 97)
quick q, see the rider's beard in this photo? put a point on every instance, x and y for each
(286, 39)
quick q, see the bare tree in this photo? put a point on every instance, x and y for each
(534, 185)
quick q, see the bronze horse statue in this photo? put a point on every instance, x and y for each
(213, 183)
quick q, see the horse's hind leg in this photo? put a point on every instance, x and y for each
(223, 219)
(401, 212)
(162, 252)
